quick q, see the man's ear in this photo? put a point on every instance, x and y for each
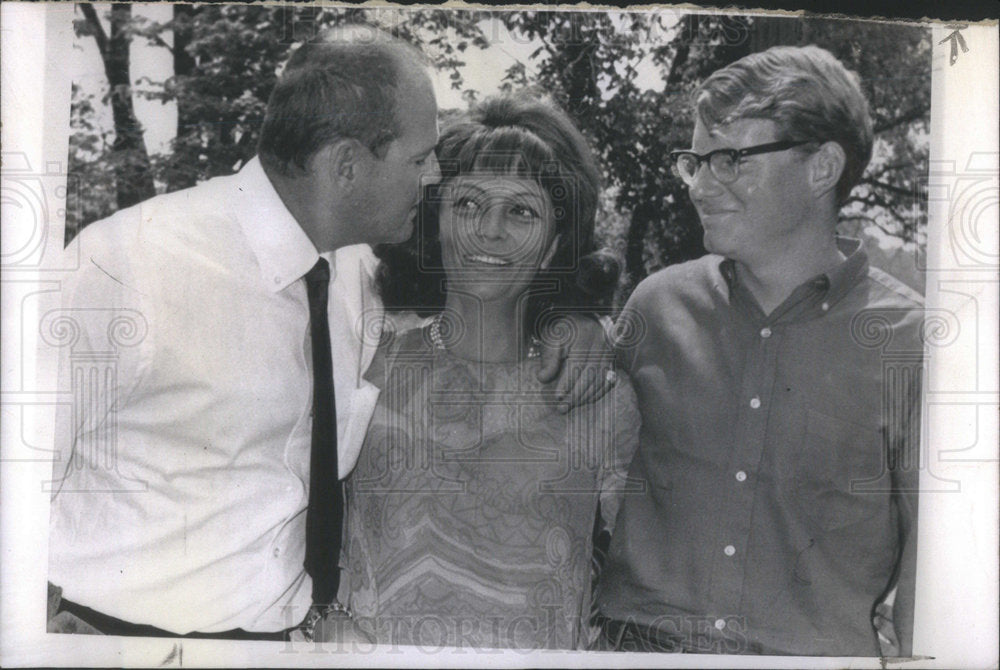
(547, 258)
(341, 162)
(825, 167)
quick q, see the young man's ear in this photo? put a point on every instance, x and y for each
(341, 161)
(825, 167)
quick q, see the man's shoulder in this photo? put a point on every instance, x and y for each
(886, 302)
(889, 291)
(162, 224)
(889, 299)
(682, 281)
(191, 210)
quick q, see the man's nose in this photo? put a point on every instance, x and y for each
(704, 183)
(432, 175)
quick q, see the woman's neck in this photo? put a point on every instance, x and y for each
(487, 331)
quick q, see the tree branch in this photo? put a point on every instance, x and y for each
(95, 24)
(158, 41)
(889, 167)
(888, 187)
(872, 221)
(873, 200)
(912, 115)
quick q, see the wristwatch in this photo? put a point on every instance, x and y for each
(319, 612)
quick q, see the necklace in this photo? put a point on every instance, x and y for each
(534, 350)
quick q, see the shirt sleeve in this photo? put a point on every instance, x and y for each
(620, 440)
(100, 328)
(632, 325)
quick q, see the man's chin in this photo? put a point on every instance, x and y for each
(403, 233)
(716, 243)
(711, 243)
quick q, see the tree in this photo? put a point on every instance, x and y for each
(588, 62)
(226, 59)
(128, 156)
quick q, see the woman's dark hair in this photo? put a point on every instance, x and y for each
(521, 136)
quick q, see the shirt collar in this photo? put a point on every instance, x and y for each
(284, 252)
(845, 276)
(828, 287)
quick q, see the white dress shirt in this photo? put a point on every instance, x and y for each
(182, 505)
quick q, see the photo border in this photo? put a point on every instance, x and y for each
(959, 436)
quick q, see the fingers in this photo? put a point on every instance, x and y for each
(578, 358)
(586, 383)
(551, 362)
(566, 388)
(583, 387)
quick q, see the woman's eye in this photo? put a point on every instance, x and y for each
(466, 205)
(523, 212)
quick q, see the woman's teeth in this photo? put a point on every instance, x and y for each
(489, 260)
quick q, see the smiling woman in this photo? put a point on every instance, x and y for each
(514, 140)
(496, 233)
(472, 507)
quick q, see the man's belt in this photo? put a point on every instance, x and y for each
(110, 625)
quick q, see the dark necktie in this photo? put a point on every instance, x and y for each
(325, 514)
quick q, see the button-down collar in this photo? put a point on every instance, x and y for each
(811, 299)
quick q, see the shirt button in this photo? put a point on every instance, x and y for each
(277, 280)
(276, 552)
(720, 623)
(825, 306)
(741, 476)
(754, 402)
(729, 550)
(765, 332)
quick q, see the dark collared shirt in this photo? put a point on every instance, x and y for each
(778, 453)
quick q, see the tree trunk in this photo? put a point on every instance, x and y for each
(182, 171)
(635, 244)
(133, 178)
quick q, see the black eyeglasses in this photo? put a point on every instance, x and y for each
(724, 163)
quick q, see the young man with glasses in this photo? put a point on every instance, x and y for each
(778, 380)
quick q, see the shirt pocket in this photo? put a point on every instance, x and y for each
(836, 459)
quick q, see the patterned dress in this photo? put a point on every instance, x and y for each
(472, 507)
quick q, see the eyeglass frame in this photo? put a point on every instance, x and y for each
(734, 154)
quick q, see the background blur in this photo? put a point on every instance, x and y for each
(166, 96)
